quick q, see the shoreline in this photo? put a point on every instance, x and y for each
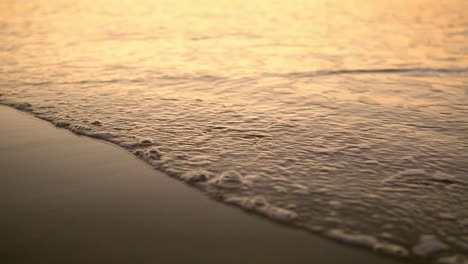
(76, 199)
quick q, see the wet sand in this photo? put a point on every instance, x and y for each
(71, 199)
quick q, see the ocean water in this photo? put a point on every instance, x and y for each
(345, 118)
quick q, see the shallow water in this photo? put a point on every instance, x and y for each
(346, 118)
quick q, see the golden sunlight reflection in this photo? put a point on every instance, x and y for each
(245, 37)
(309, 112)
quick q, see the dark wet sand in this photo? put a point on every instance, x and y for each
(71, 199)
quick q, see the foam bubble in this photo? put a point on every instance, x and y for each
(146, 142)
(154, 153)
(23, 106)
(261, 205)
(391, 249)
(60, 123)
(79, 129)
(196, 176)
(228, 179)
(354, 239)
(148, 154)
(278, 213)
(429, 245)
(100, 135)
(367, 241)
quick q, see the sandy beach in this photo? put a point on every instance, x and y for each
(72, 199)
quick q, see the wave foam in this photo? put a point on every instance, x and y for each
(229, 179)
(262, 206)
(367, 241)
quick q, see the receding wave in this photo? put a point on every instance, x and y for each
(369, 71)
(210, 78)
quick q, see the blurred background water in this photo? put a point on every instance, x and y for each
(346, 118)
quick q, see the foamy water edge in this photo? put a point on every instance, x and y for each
(429, 247)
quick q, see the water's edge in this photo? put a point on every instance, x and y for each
(277, 215)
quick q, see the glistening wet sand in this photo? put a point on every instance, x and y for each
(71, 199)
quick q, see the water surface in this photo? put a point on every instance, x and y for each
(346, 118)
